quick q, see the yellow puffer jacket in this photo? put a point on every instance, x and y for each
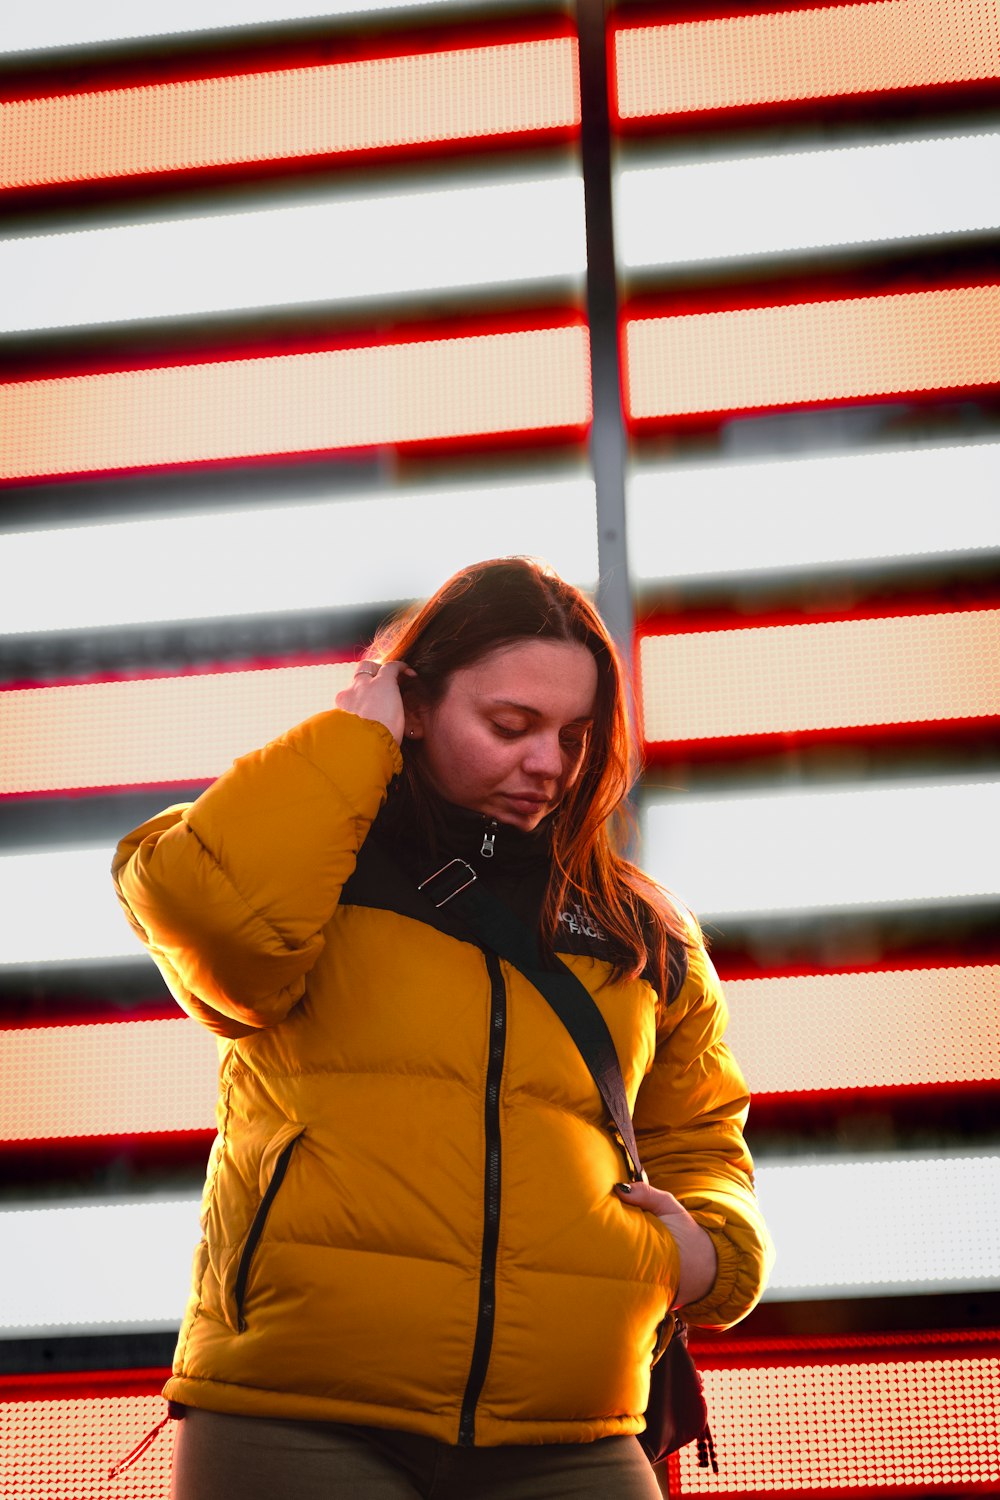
(408, 1216)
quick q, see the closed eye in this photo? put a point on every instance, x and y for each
(570, 739)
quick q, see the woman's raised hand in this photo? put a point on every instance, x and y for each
(698, 1262)
(374, 693)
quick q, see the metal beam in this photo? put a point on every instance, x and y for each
(607, 442)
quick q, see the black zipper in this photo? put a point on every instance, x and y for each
(491, 1207)
(257, 1229)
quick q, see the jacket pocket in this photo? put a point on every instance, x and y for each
(274, 1165)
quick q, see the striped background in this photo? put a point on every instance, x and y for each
(293, 323)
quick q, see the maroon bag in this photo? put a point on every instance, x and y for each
(677, 1413)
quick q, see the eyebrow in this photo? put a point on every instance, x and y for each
(534, 713)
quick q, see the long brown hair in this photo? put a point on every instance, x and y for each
(492, 604)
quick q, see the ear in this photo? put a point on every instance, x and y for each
(413, 713)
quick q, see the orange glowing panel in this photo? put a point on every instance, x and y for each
(154, 730)
(713, 684)
(873, 1029)
(358, 108)
(870, 1424)
(821, 52)
(530, 380)
(795, 1034)
(110, 1079)
(801, 354)
(913, 1415)
(61, 1437)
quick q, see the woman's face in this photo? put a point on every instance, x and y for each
(509, 735)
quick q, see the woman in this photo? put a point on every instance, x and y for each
(418, 1276)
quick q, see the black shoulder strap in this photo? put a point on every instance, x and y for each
(497, 928)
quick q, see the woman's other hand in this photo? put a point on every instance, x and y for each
(374, 694)
(698, 1261)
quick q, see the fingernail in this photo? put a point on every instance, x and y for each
(624, 1187)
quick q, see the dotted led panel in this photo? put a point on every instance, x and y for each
(115, 1078)
(531, 380)
(153, 730)
(851, 349)
(783, 1424)
(816, 52)
(65, 1444)
(875, 1029)
(878, 1029)
(869, 1426)
(711, 684)
(359, 108)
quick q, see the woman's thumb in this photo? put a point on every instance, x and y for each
(636, 1194)
(641, 1195)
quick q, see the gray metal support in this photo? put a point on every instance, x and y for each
(607, 441)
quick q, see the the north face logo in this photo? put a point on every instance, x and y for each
(581, 922)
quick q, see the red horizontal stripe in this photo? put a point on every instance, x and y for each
(397, 392)
(697, 619)
(164, 730)
(683, 365)
(119, 1078)
(940, 736)
(752, 680)
(867, 1030)
(808, 1033)
(478, 87)
(898, 1415)
(680, 66)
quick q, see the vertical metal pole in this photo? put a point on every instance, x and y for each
(607, 441)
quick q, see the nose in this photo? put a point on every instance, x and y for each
(543, 757)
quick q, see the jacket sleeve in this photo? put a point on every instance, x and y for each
(689, 1119)
(231, 893)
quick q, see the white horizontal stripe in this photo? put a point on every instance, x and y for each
(710, 520)
(865, 1228)
(67, 23)
(773, 853)
(295, 557)
(714, 210)
(843, 1228)
(339, 251)
(59, 906)
(795, 850)
(86, 1268)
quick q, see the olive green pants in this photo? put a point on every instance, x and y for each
(259, 1459)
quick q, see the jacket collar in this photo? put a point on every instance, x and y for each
(489, 846)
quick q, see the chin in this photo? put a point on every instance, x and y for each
(527, 820)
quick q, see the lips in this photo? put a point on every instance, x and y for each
(529, 801)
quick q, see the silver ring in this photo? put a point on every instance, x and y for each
(362, 673)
